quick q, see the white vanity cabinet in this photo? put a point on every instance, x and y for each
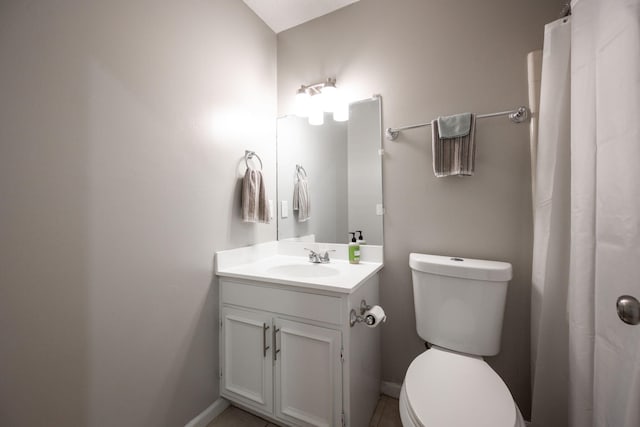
(284, 368)
(289, 354)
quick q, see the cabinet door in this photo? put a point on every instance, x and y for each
(246, 359)
(308, 374)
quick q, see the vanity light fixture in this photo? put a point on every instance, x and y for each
(314, 100)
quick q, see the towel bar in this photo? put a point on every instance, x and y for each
(518, 115)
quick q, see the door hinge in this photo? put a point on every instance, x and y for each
(344, 420)
(342, 354)
(220, 373)
(221, 323)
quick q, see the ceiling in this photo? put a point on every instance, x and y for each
(281, 15)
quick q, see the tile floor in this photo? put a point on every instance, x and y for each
(385, 415)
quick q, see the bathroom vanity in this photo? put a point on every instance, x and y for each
(288, 350)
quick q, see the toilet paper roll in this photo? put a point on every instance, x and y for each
(374, 316)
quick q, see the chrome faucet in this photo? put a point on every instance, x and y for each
(317, 257)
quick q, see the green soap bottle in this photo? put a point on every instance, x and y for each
(354, 249)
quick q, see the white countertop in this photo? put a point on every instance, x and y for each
(272, 266)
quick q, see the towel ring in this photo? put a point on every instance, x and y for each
(300, 168)
(248, 155)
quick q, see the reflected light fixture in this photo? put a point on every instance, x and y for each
(314, 100)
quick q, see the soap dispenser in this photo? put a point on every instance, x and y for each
(354, 249)
(361, 240)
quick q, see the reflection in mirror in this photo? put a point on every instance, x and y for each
(339, 165)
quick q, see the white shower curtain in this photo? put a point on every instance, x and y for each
(605, 204)
(587, 362)
(550, 269)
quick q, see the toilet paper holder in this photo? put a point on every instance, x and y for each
(354, 317)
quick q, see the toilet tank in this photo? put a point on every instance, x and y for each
(460, 302)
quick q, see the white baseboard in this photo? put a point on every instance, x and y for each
(206, 416)
(390, 389)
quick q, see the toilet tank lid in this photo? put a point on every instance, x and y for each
(464, 268)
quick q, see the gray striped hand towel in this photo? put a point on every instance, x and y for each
(453, 156)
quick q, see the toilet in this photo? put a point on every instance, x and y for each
(459, 307)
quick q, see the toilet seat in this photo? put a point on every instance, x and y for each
(445, 388)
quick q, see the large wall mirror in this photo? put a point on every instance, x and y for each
(343, 169)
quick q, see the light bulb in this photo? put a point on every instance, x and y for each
(341, 112)
(316, 113)
(329, 97)
(302, 103)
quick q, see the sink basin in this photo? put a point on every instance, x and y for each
(304, 270)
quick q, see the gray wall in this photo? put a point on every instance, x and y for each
(122, 130)
(430, 58)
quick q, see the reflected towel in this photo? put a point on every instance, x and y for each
(255, 207)
(301, 199)
(453, 156)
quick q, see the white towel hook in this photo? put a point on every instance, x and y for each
(248, 155)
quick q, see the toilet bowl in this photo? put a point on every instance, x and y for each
(459, 307)
(449, 389)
